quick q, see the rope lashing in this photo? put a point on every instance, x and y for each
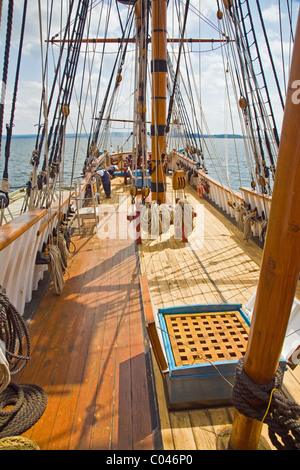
(57, 268)
(156, 219)
(280, 414)
(59, 256)
(13, 332)
(185, 215)
(26, 402)
(63, 247)
(244, 220)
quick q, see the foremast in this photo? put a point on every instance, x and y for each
(159, 100)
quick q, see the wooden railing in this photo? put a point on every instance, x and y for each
(20, 241)
(23, 237)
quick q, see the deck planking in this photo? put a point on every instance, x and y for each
(88, 353)
(220, 267)
(89, 343)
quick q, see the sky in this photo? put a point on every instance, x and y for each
(211, 87)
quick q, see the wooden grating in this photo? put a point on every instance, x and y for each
(205, 337)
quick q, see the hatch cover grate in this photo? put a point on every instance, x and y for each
(205, 337)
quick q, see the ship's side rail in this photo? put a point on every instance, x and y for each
(228, 200)
(21, 240)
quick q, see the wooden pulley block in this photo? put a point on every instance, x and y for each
(145, 192)
(178, 180)
(133, 191)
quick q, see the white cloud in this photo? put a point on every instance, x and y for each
(213, 84)
(270, 14)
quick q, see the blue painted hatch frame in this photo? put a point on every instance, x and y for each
(206, 369)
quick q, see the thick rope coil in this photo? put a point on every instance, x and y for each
(264, 226)
(244, 220)
(67, 235)
(57, 268)
(17, 443)
(21, 406)
(149, 218)
(4, 368)
(13, 332)
(247, 224)
(145, 219)
(281, 415)
(156, 219)
(187, 215)
(62, 245)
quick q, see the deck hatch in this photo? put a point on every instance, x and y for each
(213, 337)
(202, 344)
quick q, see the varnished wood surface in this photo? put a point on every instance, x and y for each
(88, 353)
(16, 227)
(219, 267)
(89, 344)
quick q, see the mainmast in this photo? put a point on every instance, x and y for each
(159, 99)
(142, 16)
(280, 264)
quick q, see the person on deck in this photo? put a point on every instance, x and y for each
(105, 179)
(112, 170)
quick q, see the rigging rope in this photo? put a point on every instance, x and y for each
(255, 112)
(281, 415)
(177, 68)
(5, 63)
(101, 113)
(14, 99)
(270, 54)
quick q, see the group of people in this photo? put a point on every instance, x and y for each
(106, 176)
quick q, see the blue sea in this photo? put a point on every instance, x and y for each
(22, 146)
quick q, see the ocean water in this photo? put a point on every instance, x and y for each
(224, 167)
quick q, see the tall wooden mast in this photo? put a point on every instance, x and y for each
(159, 98)
(280, 264)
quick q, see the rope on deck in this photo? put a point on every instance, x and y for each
(17, 443)
(28, 403)
(281, 415)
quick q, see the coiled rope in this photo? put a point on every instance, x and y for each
(13, 333)
(21, 406)
(17, 443)
(185, 215)
(63, 247)
(4, 368)
(281, 415)
(59, 256)
(244, 219)
(156, 219)
(57, 268)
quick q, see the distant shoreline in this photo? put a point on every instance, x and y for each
(72, 136)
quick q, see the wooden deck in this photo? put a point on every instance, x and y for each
(91, 352)
(219, 267)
